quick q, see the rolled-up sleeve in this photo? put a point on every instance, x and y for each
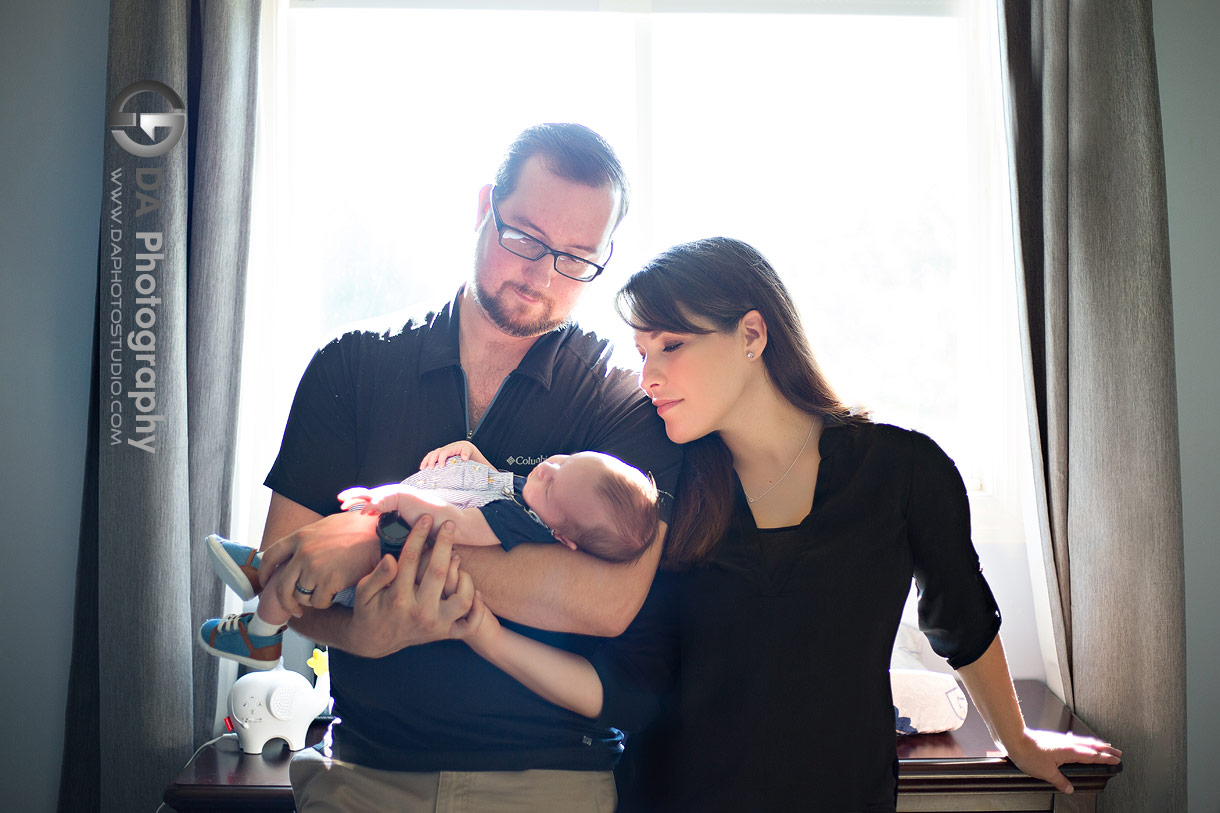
(957, 610)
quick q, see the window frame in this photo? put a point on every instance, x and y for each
(996, 497)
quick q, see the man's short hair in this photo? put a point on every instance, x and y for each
(571, 151)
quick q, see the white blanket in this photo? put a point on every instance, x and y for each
(925, 702)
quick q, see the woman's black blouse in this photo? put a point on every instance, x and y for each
(764, 672)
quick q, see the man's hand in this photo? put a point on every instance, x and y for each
(392, 612)
(322, 557)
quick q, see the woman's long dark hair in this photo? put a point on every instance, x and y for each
(717, 281)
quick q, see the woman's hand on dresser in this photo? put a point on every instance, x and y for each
(1040, 753)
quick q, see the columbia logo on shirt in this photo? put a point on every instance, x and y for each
(515, 460)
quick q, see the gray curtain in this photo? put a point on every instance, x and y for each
(1085, 133)
(142, 695)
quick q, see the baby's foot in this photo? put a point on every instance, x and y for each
(229, 637)
(236, 565)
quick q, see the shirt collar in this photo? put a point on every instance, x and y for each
(441, 341)
(832, 439)
(441, 348)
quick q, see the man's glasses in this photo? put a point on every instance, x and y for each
(529, 248)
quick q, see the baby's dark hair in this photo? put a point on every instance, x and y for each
(634, 514)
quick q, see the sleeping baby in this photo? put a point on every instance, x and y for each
(588, 501)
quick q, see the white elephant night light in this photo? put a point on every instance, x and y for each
(278, 703)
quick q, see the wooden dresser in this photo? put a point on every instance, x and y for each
(959, 771)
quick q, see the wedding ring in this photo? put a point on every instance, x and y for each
(303, 591)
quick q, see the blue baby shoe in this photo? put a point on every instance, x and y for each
(228, 638)
(236, 565)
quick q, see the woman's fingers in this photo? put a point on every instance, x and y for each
(451, 580)
(458, 605)
(470, 623)
(1060, 782)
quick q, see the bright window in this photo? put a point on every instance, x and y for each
(862, 153)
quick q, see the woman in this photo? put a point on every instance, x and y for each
(797, 530)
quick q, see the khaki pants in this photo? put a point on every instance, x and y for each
(321, 785)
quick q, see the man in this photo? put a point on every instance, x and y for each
(425, 721)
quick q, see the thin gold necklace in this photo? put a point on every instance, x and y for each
(808, 437)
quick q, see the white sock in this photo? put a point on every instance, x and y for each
(261, 628)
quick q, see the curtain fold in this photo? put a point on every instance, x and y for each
(1084, 121)
(173, 248)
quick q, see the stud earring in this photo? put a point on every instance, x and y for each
(750, 354)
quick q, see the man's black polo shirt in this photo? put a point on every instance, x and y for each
(368, 408)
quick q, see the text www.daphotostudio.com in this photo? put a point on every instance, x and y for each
(130, 306)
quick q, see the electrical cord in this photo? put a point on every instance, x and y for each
(163, 807)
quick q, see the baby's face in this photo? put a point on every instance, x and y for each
(564, 486)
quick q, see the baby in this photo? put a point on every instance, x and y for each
(588, 501)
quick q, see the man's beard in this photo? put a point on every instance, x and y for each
(508, 322)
